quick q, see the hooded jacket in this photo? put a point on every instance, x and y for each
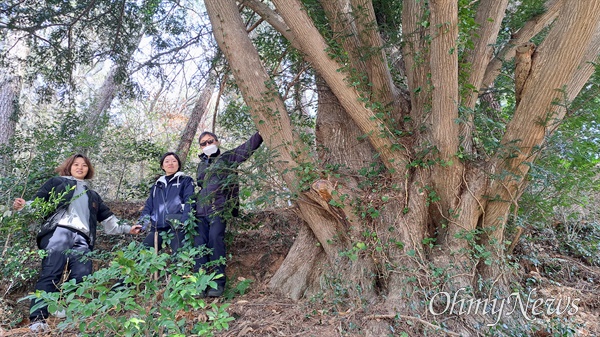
(217, 178)
(169, 199)
(98, 210)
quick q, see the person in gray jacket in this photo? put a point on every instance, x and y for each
(218, 196)
(69, 233)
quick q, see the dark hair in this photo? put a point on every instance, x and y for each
(162, 159)
(64, 169)
(209, 134)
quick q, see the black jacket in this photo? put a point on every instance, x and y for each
(217, 178)
(98, 210)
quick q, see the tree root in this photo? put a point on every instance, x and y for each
(424, 322)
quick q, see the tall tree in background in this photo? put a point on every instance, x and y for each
(11, 79)
(10, 85)
(68, 39)
(198, 112)
(429, 192)
(106, 93)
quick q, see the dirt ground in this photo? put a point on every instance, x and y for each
(258, 251)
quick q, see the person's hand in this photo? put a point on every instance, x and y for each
(18, 204)
(135, 229)
(144, 222)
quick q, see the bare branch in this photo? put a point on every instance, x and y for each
(271, 17)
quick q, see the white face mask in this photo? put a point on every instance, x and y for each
(210, 150)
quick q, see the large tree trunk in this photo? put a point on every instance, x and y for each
(340, 140)
(406, 215)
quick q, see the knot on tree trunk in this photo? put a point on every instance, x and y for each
(324, 188)
(523, 60)
(333, 198)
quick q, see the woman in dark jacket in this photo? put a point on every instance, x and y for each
(218, 195)
(69, 233)
(168, 205)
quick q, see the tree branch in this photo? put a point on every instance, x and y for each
(529, 30)
(442, 126)
(488, 21)
(444, 77)
(314, 47)
(271, 17)
(152, 60)
(380, 78)
(414, 51)
(585, 69)
(267, 108)
(579, 78)
(554, 63)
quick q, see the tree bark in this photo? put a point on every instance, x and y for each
(415, 51)
(301, 267)
(444, 108)
(191, 127)
(523, 55)
(367, 55)
(11, 81)
(266, 107)
(102, 101)
(488, 20)
(314, 47)
(340, 140)
(10, 89)
(105, 95)
(583, 71)
(554, 63)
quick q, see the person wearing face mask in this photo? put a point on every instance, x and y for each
(168, 206)
(218, 198)
(68, 234)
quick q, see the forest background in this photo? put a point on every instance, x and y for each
(424, 145)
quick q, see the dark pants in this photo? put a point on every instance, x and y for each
(175, 244)
(63, 246)
(211, 233)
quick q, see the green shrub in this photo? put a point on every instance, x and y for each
(19, 257)
(140, 293)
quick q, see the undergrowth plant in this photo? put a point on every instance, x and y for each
(141, 293)
(18, 230)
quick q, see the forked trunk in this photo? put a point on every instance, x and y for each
(402, 204)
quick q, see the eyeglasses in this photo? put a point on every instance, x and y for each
(207, 142)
